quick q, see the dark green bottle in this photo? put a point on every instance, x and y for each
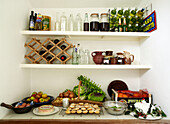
(124, 25)
(120, 25)
(129, 28)
(113, 12)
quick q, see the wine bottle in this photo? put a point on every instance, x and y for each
(124, 25)
(113, 12)
(86, 23)
(56, 41)
(32, 22)
(42, 52)
(120, 25)
(63, 57)
(63, 47)
(49, 58)
(49, 47)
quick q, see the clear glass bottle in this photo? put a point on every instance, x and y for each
(63, 22)
(86, 57)
(57, 23)
(78, 23)
(104, 24)
(71, 23)
(74, 56)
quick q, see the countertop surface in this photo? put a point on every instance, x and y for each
(57, 115)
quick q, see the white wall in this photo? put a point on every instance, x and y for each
(156, 51)
(14, 81)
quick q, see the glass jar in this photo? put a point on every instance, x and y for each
(120, 58)
(94, 23)
(104, 24)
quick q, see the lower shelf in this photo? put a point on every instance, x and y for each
(69, 66)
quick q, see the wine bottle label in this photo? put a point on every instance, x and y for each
(31, 24)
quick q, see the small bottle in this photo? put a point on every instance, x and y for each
(63, 57)
(63, 22)
(71, 23)
(57, 23)
(86, 23)
(78, 23)
(32, 21)
(63, 47)
(120, 25)
(35, 18)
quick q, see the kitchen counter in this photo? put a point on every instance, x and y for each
(30, 118)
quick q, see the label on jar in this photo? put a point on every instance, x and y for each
(120, 60)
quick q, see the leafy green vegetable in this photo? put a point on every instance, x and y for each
(83, 97)
(96, 97)
(82, 90)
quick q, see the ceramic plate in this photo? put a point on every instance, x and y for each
(35, 111)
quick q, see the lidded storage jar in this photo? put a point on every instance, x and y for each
(94, 23)
(104, 24)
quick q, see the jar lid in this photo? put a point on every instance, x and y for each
(95, 14)
(119, 53)
(104, 14)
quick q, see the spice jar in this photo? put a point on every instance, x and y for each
(120, 58)
(104, 24)
(94, 23)
(46, 23)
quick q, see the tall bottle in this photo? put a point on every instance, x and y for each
(113, 12)
(71, 23)
(57, 23)
(133, 12)
(32, 21)
(38, 24)
(78, 23)
(120, 12)
(86, 22)
(120, 25)
(63, 22)
(127, 13)
(74, 56)
(87, 57)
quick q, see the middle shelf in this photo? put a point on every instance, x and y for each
(70, 66)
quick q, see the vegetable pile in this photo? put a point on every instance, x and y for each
(89, 90)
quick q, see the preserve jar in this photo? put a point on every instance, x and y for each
(94, 23)
(120, 58)
(104, 24)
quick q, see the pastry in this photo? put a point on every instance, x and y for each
(95, 106)
(85, 112)
(73, 111)
(91, 111)
(83, 109)
(45, 109)
(97, 111)
(79, 111)
(81, 104)
(67, 112)
(86, 106)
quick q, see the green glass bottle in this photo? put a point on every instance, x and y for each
(128, 20)
(140, 28)
(113, 12)
(116, 27)
(124, 25)
(127, 13)
(120, 25)
(120, 13)
(133, 12)
(133, 20)
(133, 28)
(140, 13)
(136, 27)
(129, 28)
(140, 19)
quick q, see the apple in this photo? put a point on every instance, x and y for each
(44, 96)
(34, 93)
(41, 100)
(28, 100)
(36, 100)
(32, 98)
(37, 96)
(40, 93)
(46, 100)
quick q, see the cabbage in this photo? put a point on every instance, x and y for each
(82, 90)
(96, 97)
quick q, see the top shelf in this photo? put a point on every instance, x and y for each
(82, 33)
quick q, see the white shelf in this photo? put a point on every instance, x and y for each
(82, 33)
(69, 66)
